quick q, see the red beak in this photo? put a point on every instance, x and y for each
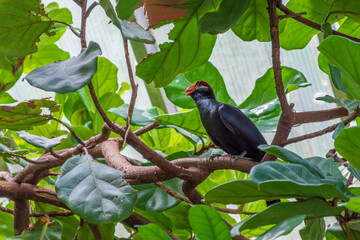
(190, 90)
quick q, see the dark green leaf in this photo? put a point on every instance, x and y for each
(266, 117)
(264, 90)
(285, 179)
(228, 13)
(129, 30)
(349, 104)
(314, 229)
(51, 231)
(312, 208)
(95, 191)
(188, 50)
(25, 115)
(350, 27)
(341, 53)
(207, 224)
(254, 23)
(175, 91)
(153, 199)
(328, 168)
(39, 141)
(105, 78)
(67, 76)
(347, 144)
(190, 121)
(337, 130)
(139, 118)
(282, 228)
(126, 8)
(354, 172)
(21, 26)
(350, 8)
(152, 231)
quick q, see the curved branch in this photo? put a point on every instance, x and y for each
(71, 27)
(312, 24)
(320, 115)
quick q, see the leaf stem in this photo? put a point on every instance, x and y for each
(70, 26)
(78, 139)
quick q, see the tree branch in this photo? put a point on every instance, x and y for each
(95, 230)
(69, 25)
(6, 176)
(312, 24)
(320, 115)
(21, 215)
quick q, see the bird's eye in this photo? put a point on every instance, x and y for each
(198, 85)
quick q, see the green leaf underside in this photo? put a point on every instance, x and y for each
(264, 90)
(67, 76)
(188, 50)
(24, 115)
(314, 229)
(22, 23)
(206, 222)
(152, 231)
(95, 191)
(312, 208)
(41, 142)
(347, 144)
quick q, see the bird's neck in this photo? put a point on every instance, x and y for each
(204, 101)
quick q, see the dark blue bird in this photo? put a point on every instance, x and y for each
(228, 127)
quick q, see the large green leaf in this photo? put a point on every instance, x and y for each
(40, 141)
(284, 179)
(95, 191)
(312, 208)
(46, 54)
(296, 34)
(22, 23)
(342, 53)
(188, 50)
(190, 121)
(129, 30)
(350, 8)
(228, 13)
(139, 118)
(347, 144)
(254, 23)
(25, 115)
(152, 231)
(314, 229)
(175, 91)
(335, 232)
(349, 104)
(67, 76)
(153, 199)
(51, 231)
(264, 90)
(282, 228)
(265, 117)
(350, 27)
(126, 8)
(207, 224)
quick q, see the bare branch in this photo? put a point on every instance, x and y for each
(6, 176)
(69, 25)
(77, 138)
(83, 23)
(147, 128)
(320, 115)
(89, 10)
(291, 15)
(95, 230)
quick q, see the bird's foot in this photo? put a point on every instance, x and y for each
(235, 157)
(212, 157)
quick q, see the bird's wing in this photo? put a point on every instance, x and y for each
(239, 124)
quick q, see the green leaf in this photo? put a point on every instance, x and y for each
(282, 228)
(175, 91)
(350, 8)
(312, 208)
(354, 172)
(139, 118)
(67, 76)
(46, 54)
(95, 191)
(25, 115)
(335, 232)
(285, 179)
(337, 130)
(41, 142)
(151, 198)
(51, 231)
(190, 121)
(264, 90)
(314, 229)
(348, 104)
(21, 26)
(238, 192)
(188, 50)
(152, 231)
(207, 224)
(228, 13)
(350, 27)
(254, 23)
(126, 8)
(265, 117)
(297, 35)
(129, 30)
(342, 53)
(347, 144)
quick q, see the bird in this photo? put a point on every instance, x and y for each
(227, 126)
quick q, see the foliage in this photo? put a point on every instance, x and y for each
(92, 192)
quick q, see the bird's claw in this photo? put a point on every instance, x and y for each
(235, 157)
(212, 157)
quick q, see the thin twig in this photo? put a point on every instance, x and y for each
(70, 26)
(92, 6)
(77, 138)
(350, 180)
(232, 211)
(147, 128)
(95, 230)
(83, 23)
(54, 153)
(292, 15)
(29, 160)
(18, 65)
(172, 193)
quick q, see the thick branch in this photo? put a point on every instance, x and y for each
(319, 116)
(83, 23)
(6, 176)
(21, 215)
(312, 24)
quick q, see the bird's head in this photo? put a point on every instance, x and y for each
(199, 85)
